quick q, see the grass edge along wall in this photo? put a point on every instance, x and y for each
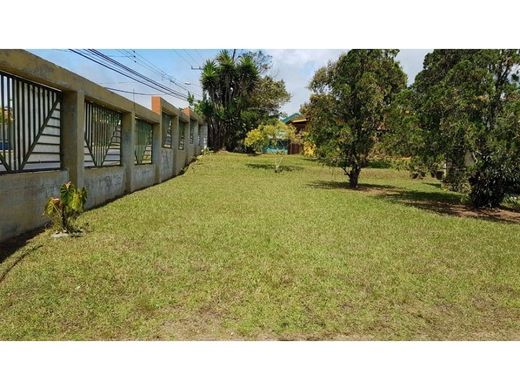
(23, 192)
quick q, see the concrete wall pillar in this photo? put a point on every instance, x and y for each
(156, 149)
(187, 145)
(197, 138)
(127, 149)
(175, 143)
(73, 135)
(192, 143)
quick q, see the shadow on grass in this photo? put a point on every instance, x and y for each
(11, 245)
(270, 167)
(440, 202)
(449, 203)
(334, 185)
(19, 259)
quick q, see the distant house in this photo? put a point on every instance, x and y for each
(299, 122)
(279, 145)
(5, 117)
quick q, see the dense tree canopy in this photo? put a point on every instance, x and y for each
(238, 95)
(467, 105)
(347, 108)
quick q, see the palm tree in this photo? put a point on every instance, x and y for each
(227, 84)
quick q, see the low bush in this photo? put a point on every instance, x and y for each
(64, 211)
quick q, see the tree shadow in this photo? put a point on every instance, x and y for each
(270, 167)
(448, 203)
(18, 260)
(11, 245)
(334, 185)
(439, 202)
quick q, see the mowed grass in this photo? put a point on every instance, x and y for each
(231, 250)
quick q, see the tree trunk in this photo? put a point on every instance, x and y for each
(353, 176)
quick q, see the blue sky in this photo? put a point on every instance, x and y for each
(295, 66)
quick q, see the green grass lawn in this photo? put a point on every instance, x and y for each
(231, 250)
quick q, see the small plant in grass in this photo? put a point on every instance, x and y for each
(273, 136)
(64, 211)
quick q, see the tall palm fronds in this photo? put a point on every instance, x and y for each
(227, 83)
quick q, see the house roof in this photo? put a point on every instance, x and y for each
(291, 117)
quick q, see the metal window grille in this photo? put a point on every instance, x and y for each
(102, 144)
(143, 142)
(30, 126)
(167, 130)
(182, 131)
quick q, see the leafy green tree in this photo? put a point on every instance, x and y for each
(275, 135)
(404, 138)
(347, 108)
(265, 102)
(238, 96)
(468, 108)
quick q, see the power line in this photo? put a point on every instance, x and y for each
(197, 54)
(116, 66)
(188, 53)
(169, 77)
(120, 65)
(181, 56)
(133, 75)
(135, 93)
(141, 60)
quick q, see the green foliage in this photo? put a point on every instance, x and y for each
(191, 99)
(265, 102)
(467, 104)
(238, 96)
(347, 109)
(64, 211)
(256, 139)
(6, 116)
(271, 135)
(405, 141)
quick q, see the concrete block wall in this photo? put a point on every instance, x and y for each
(23, 195)
(144, 176)
(184, 156)
(167, 165)
(104, 184)
(197, 138)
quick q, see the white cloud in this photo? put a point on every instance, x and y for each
(297, 66)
